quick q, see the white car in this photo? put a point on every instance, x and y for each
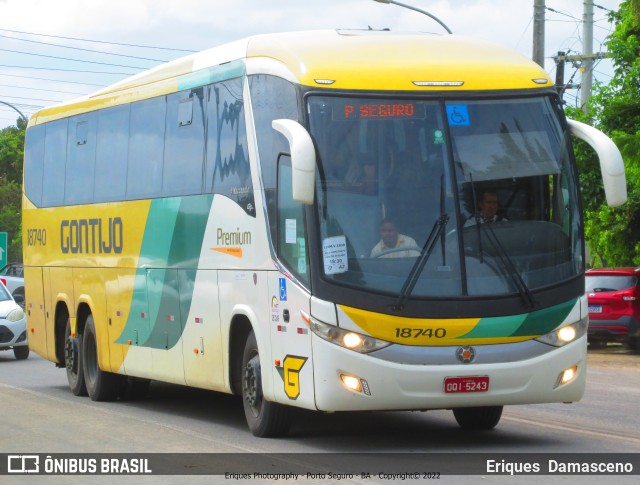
(13, 325)
(12, 275)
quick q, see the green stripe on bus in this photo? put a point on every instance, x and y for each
(539, 322)
(224, 72)
(172, 242)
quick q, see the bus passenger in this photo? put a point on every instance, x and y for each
(391, 239)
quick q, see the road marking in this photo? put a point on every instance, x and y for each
(573, 429)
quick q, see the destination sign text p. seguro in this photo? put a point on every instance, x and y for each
(380, 110)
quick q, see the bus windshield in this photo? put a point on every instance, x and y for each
(486, 187)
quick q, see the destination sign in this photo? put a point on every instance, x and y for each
(366, 109)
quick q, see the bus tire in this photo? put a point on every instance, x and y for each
(486, 417)
(101, 385)
(265, 419)
(73, 362)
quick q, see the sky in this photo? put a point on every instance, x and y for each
(54, 51)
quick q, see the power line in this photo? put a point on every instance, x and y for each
(69, 59)
(69, 70)
(32, 99)
(51, 80)
(41, 89)
(98, 41)
(82, 49)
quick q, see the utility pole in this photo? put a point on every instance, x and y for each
(560, 60)
(587, 51)
(538, 32)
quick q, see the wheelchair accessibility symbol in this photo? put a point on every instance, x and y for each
(283, 289)
(458, 115)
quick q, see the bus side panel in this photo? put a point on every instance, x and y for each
(241, 295)
(49, 315)
(115, 318)
(133, 298)
(89, 289)
(165, 318)
(291, 362)
(201, 339)
(61, 291)
(35, 308)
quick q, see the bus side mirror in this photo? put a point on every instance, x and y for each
(303, 159)
(611, 164)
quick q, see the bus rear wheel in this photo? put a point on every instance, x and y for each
(72, 361)
(101, 385)
(486, 417)
(265, 419)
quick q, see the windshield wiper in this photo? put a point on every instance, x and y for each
(416, 270)
(507, 264)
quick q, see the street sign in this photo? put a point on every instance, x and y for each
(4, 239)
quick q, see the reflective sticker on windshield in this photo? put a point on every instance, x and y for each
(334, 252)
(458, 115)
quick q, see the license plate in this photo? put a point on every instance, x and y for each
(595, 309)
(466, 384)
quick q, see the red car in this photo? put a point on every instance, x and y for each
(614, 306)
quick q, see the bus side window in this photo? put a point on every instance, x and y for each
(292, 243)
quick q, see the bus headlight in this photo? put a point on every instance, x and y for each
(346, 338)
(566, 334)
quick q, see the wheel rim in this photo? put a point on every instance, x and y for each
(71, 355)
(252, 385)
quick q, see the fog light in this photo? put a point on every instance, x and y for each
(567, 375)
(355, 384)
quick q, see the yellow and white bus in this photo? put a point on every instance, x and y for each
(210, 223)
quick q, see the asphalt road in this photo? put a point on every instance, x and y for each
(40, 415)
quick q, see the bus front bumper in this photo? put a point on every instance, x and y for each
(384, 385)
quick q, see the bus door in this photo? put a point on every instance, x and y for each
(290, 334)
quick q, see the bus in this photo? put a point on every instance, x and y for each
(211, 223)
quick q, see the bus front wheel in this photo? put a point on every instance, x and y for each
(478, 418)
(101, 385)
(265, 419)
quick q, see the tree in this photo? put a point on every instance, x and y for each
(613, 234)
(11, 161)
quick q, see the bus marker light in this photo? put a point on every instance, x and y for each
(195, 351)
(277, 362)
(33, 330)
(540, 81)
(324, 81)
(305, 317)
(439, 83)
(128, 342)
